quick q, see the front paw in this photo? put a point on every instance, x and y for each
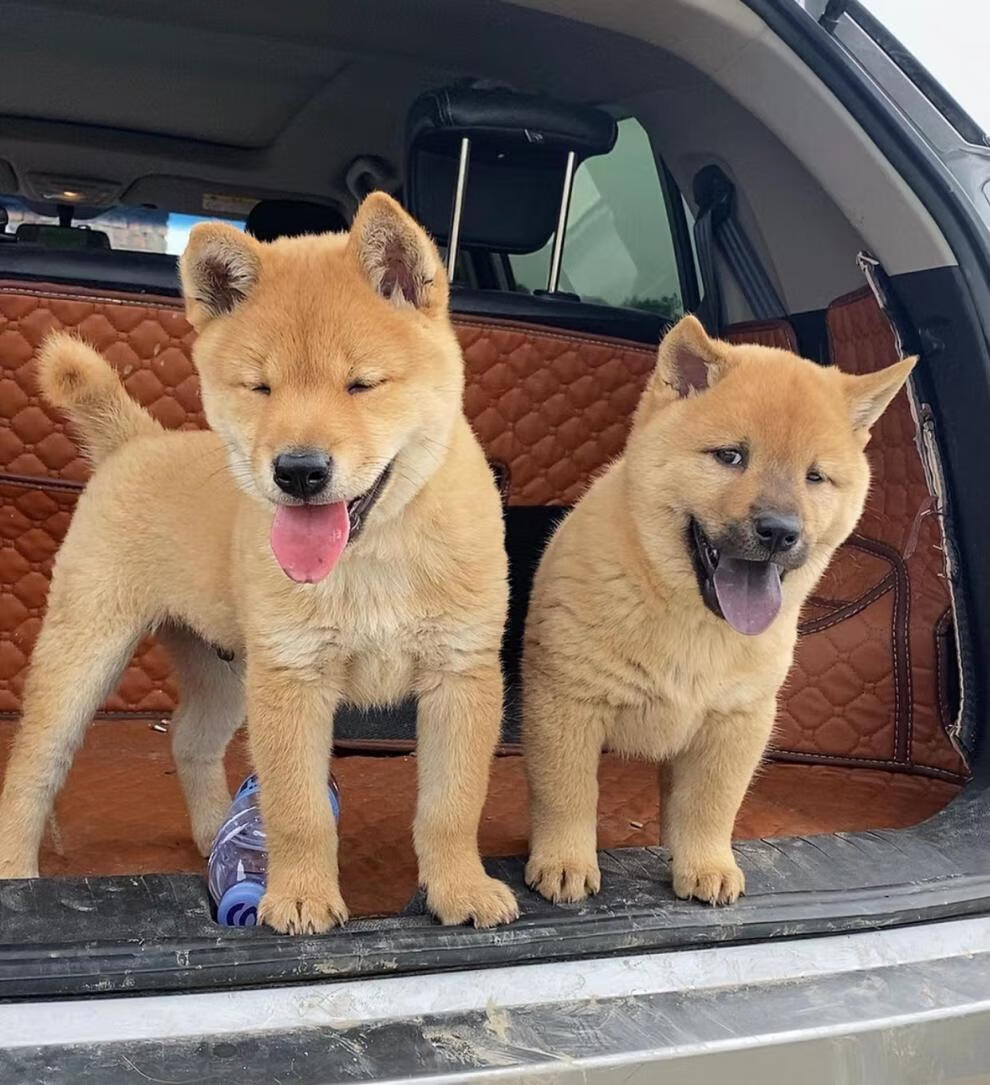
(475, 898)
(714, 881)
(564, 879)
(309, 906)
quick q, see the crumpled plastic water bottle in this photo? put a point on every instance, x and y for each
(238, 865)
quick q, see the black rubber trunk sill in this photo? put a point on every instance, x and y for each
(92, 936)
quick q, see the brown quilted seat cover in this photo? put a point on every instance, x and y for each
(768, 333)
(552, 406)
(868, 686)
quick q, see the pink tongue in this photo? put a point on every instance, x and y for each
(748, 593)
(307, 540)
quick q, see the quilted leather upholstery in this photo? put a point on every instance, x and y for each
(768, 333)
(553, 407)
(877, 669)
(149, 341)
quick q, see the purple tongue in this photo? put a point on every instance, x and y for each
(748, 593)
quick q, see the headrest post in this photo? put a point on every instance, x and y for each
(455, 215)
(553, 279)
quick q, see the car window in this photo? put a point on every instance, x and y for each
(129, 229)
(956, 56)
(619, 248)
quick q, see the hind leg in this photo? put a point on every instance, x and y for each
(85, 643)
(210, 711)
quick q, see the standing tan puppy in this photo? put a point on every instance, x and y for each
(338, 530)
(664, 614)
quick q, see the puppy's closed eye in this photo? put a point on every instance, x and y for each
(364, 384)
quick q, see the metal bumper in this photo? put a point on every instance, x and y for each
(906, 1005)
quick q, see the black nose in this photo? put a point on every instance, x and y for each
(302, 474)
(777, 530)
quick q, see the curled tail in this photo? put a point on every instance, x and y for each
(83, 384)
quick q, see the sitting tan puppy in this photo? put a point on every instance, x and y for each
(664, 614)
(338, 530)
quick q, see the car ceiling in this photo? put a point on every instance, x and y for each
(172, 101)
(168, 100)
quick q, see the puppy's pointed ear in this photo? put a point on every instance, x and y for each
(219, 269)
(688, 362)
(397, 257)
(869, 394)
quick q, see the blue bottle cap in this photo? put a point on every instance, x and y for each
(238, 907)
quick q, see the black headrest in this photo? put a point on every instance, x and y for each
(270, 219)
(519, 148)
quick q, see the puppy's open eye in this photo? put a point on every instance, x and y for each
(731, 457)
(261, 389)
(356, 387)
(816, 475)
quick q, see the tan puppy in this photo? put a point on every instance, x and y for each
(338, 530)
(664, 614)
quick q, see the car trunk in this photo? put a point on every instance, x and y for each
(863, 748)
(866, 812)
